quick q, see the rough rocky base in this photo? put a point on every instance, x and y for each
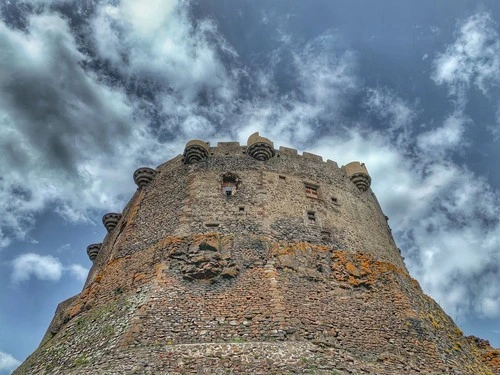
(237, 358)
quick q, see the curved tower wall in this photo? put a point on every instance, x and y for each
(225, 263)
(273, 200)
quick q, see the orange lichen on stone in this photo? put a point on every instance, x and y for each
(295, 247)
(351, 268)
(492, 359)
(139, 277)
(489, 355)
(359, 269)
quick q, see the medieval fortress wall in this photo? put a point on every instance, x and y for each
(286, 197)
(251, 260)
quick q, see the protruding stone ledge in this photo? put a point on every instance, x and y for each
(260, 148)
(143, 176)
(332, 163)
(358, 174)
(93, 250)
(195, 151)
(309, 156)
(228, 144)
(110, 220)
(288, 151)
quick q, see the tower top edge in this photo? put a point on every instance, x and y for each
(231, 148)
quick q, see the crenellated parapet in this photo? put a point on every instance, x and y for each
(110, 220)
(143, 176)
(260, 148)
(358, 174)
(195, 151)
(93, 250)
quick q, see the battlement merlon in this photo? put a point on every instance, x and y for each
(260, 148)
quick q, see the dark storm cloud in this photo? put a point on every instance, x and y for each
(56, 106)
(61, 125)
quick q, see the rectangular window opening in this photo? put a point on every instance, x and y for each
(212, 225)
(282, 178)
(242, 209)
(311, 191)
(311, 216)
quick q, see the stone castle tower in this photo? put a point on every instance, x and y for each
(252, 260)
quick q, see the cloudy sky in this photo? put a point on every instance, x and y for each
(91, 90)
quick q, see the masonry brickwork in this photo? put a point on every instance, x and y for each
(250, 259)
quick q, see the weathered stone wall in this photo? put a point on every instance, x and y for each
(193, 280)
(318, 308)
(270, 200)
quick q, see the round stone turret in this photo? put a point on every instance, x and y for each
(195, 151)
(110, 220)
(93, 250)
(358, 174)
(143, 176)
(260, 148)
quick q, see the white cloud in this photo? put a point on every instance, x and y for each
(444, 138)
(39, 266)
(474, 57)
(157, 41)
(8, 362)
(43, 267)
(80, 273)
(395, 113)
(324, 81)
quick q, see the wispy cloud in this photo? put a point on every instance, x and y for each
(473, 59)
(43, 267)
(77, 271)
(396, 114)
(445, 138)
(8, 362)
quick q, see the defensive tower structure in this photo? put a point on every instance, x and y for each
(256, 260)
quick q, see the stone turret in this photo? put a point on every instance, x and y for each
(110, 220)
(93, 250)
(358, 174)
(195, 151)
(143, 176)
(260, 148)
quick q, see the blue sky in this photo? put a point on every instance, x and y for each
(90, 91)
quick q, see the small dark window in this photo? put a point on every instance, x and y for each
(212, 225)
(326, 235)
(282, 178)
(335, 200)
(230, 183)
(312, 191)
(242, 209)
(311, 217)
